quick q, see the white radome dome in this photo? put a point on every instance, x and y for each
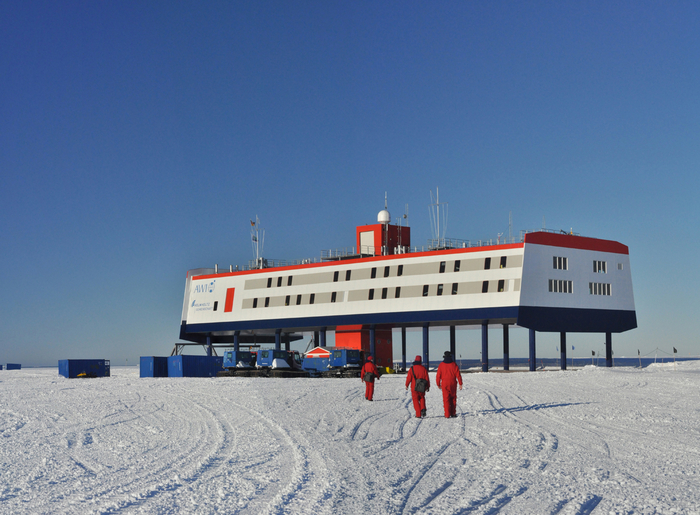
(384, 217)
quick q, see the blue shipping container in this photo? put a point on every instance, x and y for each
(154, 366)
(13, 366)
(194, 366)
(72, 368)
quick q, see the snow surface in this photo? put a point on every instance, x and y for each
(590, 441)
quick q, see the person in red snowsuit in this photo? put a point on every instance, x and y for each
(418, 371)
(369, 371)
(448, 375)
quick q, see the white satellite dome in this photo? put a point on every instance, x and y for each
(384, 217)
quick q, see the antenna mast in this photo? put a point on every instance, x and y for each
(438, 218)
(257, 241)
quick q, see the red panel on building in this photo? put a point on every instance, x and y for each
(228, 305)
(357, 337)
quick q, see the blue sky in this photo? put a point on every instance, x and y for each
(137, 140)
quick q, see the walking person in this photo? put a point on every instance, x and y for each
(419, 381)
(448, 375)
(368, 374)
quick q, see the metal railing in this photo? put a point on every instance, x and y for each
(365, 250)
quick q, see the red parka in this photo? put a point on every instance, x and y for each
(369, 385)
(417, 372)
(448, 375)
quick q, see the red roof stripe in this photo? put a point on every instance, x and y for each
(364, 260)
(576, 242)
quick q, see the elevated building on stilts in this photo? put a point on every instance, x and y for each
(545, 281)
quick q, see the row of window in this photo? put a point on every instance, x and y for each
(387, 269)
(599, 289)
(599, 267)
(561, 263)
(380, 293)
(560, 286)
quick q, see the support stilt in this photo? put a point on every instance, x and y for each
(484, 346)
(403, 347)
(562, 347)
(426, 341)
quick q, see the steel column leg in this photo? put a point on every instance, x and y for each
(562, 347)
(426, 341)
(484, 346)
(533, 356)
(372, 340)
(278, 342)
(608, 350)
(506, 348)
(323, 336)
(403, 347)
(236, 345)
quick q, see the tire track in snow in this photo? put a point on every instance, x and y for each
(305, 470)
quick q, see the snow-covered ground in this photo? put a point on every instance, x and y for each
(590, 441)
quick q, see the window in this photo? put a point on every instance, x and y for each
(487, 263)
(335, 276)
(425, 290)
(457, 264)
(289, 280)
(269, 282)
(400, 271)
(560, 263)
(255, 303)
(333, 296)
(298, 300)
(279, 282)
(374, 273)
(216, 304)
(267, 302)
(503, 261)
(312, 298)
(286, 300)
(348, 274)
(501, 285)
(386, 271)
(620, 266)
(371, 294)
(600, 267)
(398, 292)
(384, 292)
(455, 287)
(485, 286)
(599, 289)
(442, 267)
(560, 286)
(439, 290)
